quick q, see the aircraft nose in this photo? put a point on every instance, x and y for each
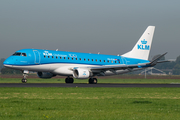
(8, 63)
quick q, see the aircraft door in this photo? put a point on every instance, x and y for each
(36, 57)
(124, 60)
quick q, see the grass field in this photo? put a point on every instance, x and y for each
(100, 80)
(90, 103)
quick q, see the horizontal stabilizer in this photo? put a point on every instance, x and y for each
(162, 61)
(155, 60)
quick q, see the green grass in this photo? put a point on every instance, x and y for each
(100, 80)
(90, 103)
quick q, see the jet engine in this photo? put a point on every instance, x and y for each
(45, 75)
(81, 73)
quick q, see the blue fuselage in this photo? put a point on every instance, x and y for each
(39, 57)
(64, 63)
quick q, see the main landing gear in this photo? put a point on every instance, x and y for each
(69, 80)
(24, 79)
(92, 81)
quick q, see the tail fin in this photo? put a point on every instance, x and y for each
(142, 48)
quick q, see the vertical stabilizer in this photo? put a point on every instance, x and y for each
(142, 48)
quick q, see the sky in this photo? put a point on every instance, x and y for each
(90, 26)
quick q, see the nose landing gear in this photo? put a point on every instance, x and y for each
(24, 79)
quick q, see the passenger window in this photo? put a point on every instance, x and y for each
(56, 57)
(104, 61)
(44, 56)
(48, 57)
(92, 60)
(76, 58)
(111, 61)
(72, 58)
(68, 58)
(115, 61)
(52, 56)
(88, 60)
(100, 60)
(79, 58)
(84, 59)
(60, 57)
(64, 57)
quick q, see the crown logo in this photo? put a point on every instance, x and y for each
(144, 41)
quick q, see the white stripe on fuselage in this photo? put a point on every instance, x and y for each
(63, 69)
(57, 68)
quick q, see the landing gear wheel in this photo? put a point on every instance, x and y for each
(95, 80)
(92, 81)
(24, 80)
(69, 80)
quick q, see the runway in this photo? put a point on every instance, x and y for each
(85, 85)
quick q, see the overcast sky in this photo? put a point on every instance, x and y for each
(105, 26)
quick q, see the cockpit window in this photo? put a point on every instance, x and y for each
(17, 54)
(23, 54)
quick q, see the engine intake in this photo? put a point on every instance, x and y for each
(81, 73)
(45, 75)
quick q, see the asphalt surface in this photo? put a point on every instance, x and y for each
(85, 85)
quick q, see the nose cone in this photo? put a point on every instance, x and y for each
(8, 62)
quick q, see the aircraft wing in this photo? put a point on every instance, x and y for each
(118, 67)
(113, 68)
(124, 66)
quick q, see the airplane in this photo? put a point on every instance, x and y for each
(49, 63)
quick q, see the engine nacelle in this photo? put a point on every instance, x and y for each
(81, 73)
(45, 75)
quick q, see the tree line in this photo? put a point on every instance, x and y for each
(173, 67)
